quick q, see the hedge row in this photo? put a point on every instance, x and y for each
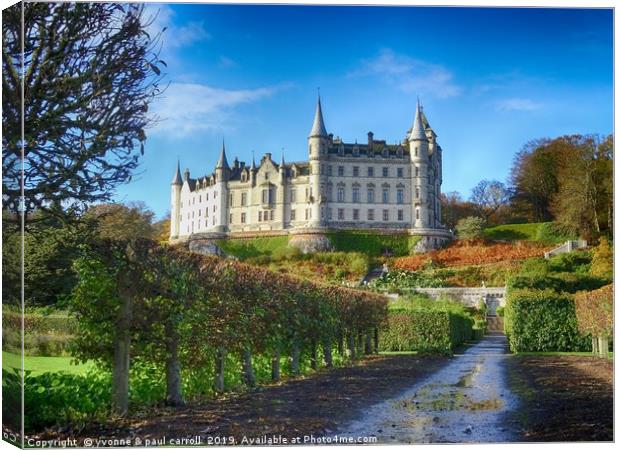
(559, 282)
(595, 311)
(542, 321)
(424, 331)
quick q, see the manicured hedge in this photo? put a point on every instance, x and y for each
(595, 311)
(542, 321)
(424, 331)
(372, 244)
(559, 282)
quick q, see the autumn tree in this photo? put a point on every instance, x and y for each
(122, 221)
(90, 71)
(583, 202)
(488, 196)
(454, 208)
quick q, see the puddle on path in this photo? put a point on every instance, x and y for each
(466, 401)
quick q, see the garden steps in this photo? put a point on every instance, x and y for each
(495, 323)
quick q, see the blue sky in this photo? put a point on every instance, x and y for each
(489, 79)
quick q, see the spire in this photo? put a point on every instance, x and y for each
(282, 160)
(318, 127)
(222, 163)
(177, 180)
(253, 167)
(417, 131)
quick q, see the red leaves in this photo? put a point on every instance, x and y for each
(594, 311)
(465, 255)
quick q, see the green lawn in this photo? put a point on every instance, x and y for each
(513, 232)
(611, 354)
(40, 364)
(253, 247)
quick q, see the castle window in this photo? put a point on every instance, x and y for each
(200, 199)
(356, 151)
(199, 211)
(206, 212)
(271, 215)
(417, 192)
(371, 171)
(322, 213)
(356, 171)
(244, 198)
(356, 214)
(386, 153)
(214, 208)
(400, 214)
(207, 196)
(293, 195)
(329, 193)
(386, 215)
(340, 214)
(399, 172)
(267, 196)
(260, 216)
(329, 214)
(371, 195)
(230, 199)
(230, 218)
(356, 195)
(242, 217)
(266, 175)
(385, 196)
(213, 221)
(292, 214)
(385, 172)
(417, 171)
(194, 201)
(400, 196)
(341, 194)
(307, 214)
(329, 170)
(416, 151)
(341, 171)
(371, 214)
(417, 213)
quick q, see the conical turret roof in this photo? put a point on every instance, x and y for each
(222, 163)
(417, 131)
(318, 127)
(177, 176)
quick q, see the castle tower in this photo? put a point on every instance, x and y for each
(222, 173)
(418, 148)
(175, 202)
(318, 141)
(281, 193)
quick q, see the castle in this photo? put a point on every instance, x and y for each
(388, 188)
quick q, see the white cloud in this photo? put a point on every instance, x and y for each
(410, 75)
(517, 104)
(187, 108)
(175, 36)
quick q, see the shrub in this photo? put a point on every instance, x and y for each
(424, 331)
(417, 323)
(578, 261)
(541, 321)
(373, 244)
(595, 311)
(550, 233)
(470, 228)
(559, 282)
(603, 260)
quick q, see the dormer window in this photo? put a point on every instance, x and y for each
(399, 152)
(386, 153)
(356, 151)
(341, 150)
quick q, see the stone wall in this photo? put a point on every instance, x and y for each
(492, 296)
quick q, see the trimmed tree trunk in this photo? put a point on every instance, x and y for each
(327, 353)
(248, 371)
(368, 343)
(174, 395)
(341, 345)
(314, 364)
(603, 346)
(360, 343)
(595, 345)
(351, 346)
(219, 369)
(120, 371)
(275, 365)
(295, 352)
(376, 339)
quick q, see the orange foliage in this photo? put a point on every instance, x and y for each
(472, 253)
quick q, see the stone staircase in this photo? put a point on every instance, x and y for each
(371, 275)
(495, 324)
(567, 247)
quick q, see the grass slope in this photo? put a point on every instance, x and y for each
(40, 364)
